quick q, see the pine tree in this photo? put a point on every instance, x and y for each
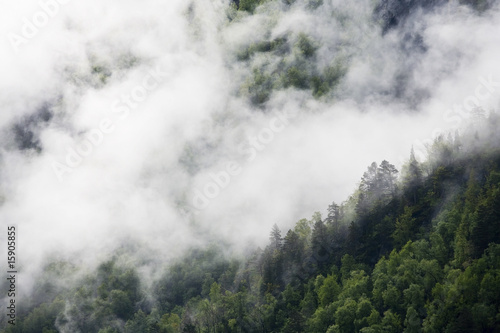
(412, 177)
(275, 237)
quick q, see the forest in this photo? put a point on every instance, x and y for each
(410, 251)
(414, 248)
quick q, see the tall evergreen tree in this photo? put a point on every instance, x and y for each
(412, 177)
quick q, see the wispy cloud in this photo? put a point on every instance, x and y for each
(92, 63)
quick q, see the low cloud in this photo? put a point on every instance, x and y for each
(93, 62)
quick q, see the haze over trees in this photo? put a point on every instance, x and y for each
(308, 89)
(420, 253)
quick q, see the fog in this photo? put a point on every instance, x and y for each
(155, 95)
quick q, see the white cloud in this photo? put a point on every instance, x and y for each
(134, 184)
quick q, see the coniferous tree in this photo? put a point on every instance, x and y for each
(412, 177)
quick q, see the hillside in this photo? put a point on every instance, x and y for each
(228, 166)
(414, 253)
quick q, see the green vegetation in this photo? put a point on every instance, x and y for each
(294, 66)
(324, 83)
(278, 45)
(306, 46)
(260, 87)
(416, 252)
(248, 5)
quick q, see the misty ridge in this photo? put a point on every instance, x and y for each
(251, 166)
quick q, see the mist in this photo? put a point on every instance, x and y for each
(159, 99)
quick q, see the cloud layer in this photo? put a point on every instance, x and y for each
(149, 102)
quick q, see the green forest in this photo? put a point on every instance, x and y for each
(121, 120)
(416, 250)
